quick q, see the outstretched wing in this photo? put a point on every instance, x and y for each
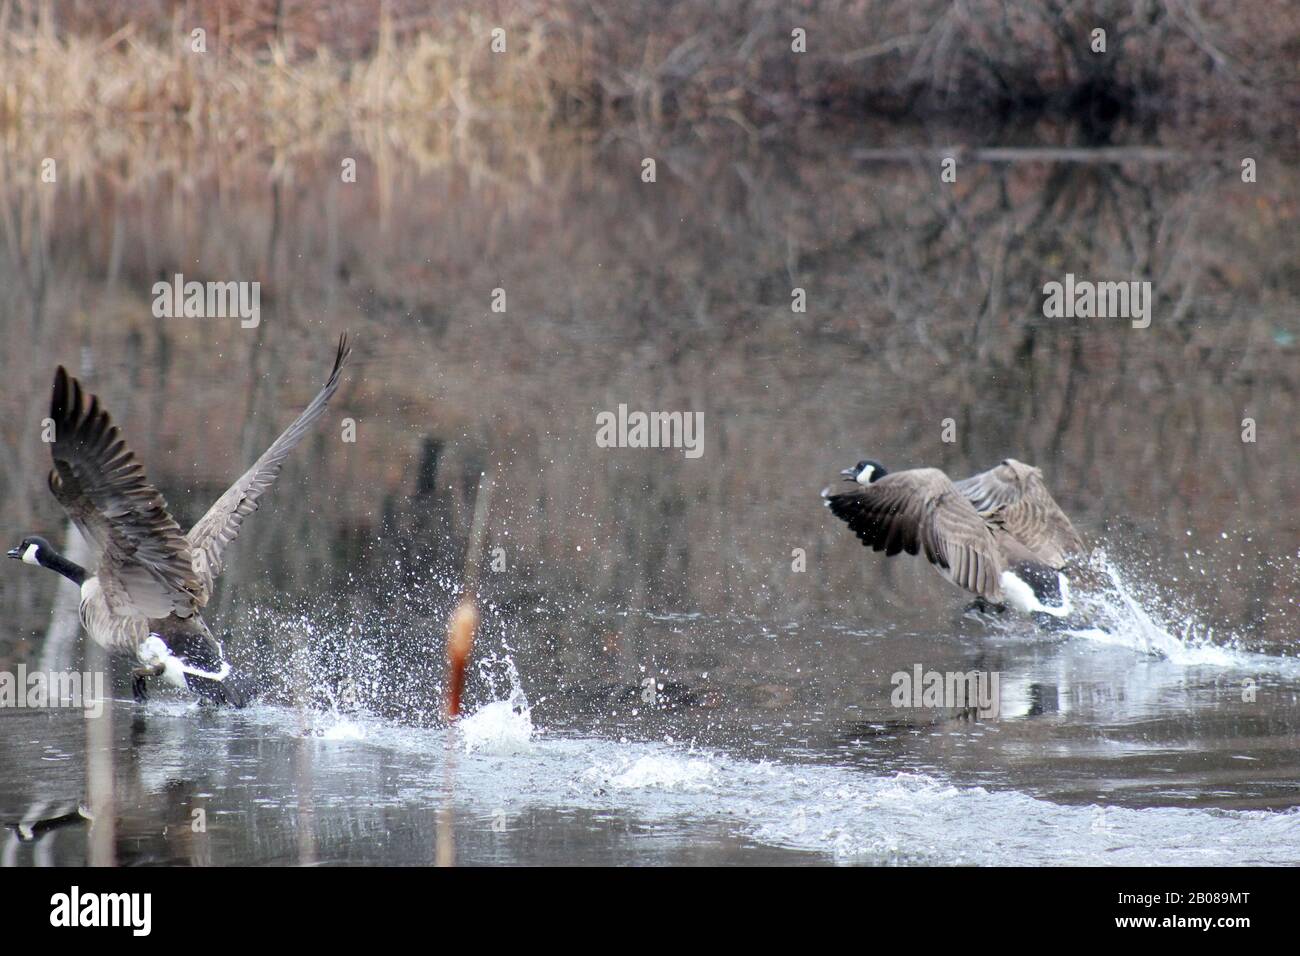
(921, 511)
(144, 559)
(1015, 498)
(220, 526)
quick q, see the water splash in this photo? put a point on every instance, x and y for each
(500, 726)
(1120, 616)
(342, 729)
(653, 771)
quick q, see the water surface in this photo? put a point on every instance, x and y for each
(770, 736)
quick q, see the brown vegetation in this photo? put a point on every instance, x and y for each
(295, 65)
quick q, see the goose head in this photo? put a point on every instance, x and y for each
(36, 550)
(32, 550)
(865, 472)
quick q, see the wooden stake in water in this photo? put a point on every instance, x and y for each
(464, 619)
(460, 644)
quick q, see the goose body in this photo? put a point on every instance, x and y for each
(998, 534)
(152, 579)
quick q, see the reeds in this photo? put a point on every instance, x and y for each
(291, 68)
(277, 89)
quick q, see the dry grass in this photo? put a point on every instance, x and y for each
(296, 66)
(100, 82)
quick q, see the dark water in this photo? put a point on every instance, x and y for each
(1099, 756)
(767, 732)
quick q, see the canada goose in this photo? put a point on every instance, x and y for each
(997, 534)
(151, 580)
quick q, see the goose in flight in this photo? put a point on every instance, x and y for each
(152, 579)
(997, 534)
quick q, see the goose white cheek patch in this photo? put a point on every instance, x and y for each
(29, 556)
(864, 476)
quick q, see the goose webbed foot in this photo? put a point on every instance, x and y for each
(138, 676)
(981, 606)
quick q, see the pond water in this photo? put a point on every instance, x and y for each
(1100, 755)
(682, 659)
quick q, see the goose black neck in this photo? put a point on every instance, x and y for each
(69, 569)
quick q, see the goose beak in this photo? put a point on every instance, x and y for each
(15, 552)
(849, 474)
